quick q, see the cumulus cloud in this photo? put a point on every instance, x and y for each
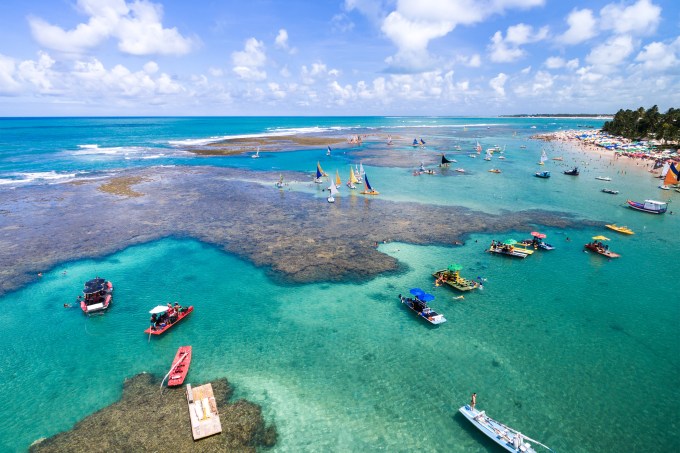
(414, 23)
(658, 57)
(582, 27)
(640, 18)
(498, 83)
(248, 62)
(611, 53)
(508, 49)
(281, 40)
(137, 27)
(559, 62)
(8, 84)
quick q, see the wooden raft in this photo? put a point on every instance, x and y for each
(205, 420)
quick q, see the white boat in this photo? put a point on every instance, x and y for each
(508, 438)
(474, 156)
(544, 157)
(489, 153)
(334, 191)
(257, 153)
(460, 170)
(603, 178)
(501, 157)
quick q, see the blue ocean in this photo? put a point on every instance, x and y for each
(577, 351)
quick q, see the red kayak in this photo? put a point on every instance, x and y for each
(165, 326)
(180, 366)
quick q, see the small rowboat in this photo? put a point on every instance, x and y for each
(422, 310)
(508, 438)
(180, 366)
(620, 229)
(611, 191)
(494, 170)
(161, 330)
(603, 178)
(600, 249)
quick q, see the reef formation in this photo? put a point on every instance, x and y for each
(296, 236)
(146, 420)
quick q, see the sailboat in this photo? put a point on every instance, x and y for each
(544, 157)
(488, 154)
(422, 142)
(319, 173)
(389, 139)
(362, 173)
(671, 177)
(415, 142)
(446, 162)
(334, 191)
(257, 153)
(352, 179)
(279, 185)
(478, 148)
(357, 174)
(328, 152)
(338, 181)
(368, 190)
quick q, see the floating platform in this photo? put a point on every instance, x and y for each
(205, 419)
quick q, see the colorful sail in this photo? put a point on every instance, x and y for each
(328, 152)
(367, 185)
(664, 170)
(478, 148)
(422, 142)
(445, 161)
(338, 181)
(671, 176)
(352, 179)
(319, 170)
(415, 142)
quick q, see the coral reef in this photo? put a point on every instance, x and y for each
(146, 420)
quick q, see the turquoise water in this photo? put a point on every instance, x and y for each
(574, 350)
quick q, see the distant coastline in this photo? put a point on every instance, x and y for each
(596, 116)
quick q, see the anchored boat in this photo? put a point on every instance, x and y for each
(620, 229)
(97, 295)
(420, 307)
(166, 319)
(508, 438)
(651, 206)
(542, 174)
(507, 248)
(180, 367)
(573, 172)
(451, 277)
(598, 247)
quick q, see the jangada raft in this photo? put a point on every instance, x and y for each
(451, 277)
(508, 438)
(180, 367)
(97, 295)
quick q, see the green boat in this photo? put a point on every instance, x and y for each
(451, 277)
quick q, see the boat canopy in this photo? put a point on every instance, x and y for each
(426, 297)
(158, 309)
(94, 286)
(417, 292)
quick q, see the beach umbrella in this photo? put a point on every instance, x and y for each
(158, 309)
(600, 238)
(454, 267)
(536, 234)
(427, 297)
(510, 242)
(417, 292)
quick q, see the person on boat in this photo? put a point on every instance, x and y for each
(473, 401)
(178, 308)
(153, 321)
(172, 314)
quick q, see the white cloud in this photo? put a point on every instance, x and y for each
(248, 63)
(281, 40)
(498, 83)
(657, 56)
(473, 61)
(508, 49)
(611, 53)
(414, 23)
(582, 27)
(151, 67)
(640, 18)
(215, 72)
(559, 62)
(137, 26)
(8, 85)
(38, 72)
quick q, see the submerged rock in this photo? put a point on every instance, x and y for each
(145, 420)
(298, 237)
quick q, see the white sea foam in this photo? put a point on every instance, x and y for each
(276, 132)
(48, 177)
(94, 146)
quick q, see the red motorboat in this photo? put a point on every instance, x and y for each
(180, 366)
(598, 247)
(97, 295)
(164, 321)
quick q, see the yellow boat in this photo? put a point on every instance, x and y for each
(454, 280)
(620, 229)
(523, 248)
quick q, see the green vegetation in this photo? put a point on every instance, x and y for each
(642, 124)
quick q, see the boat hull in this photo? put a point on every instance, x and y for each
(641, 207)
(180, 366)
(513, 253)
(601, 251)
(167, 327)
(496, 431)
(431, 317)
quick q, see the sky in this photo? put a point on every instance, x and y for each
(341, 57)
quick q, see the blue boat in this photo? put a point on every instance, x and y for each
(542, 174)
